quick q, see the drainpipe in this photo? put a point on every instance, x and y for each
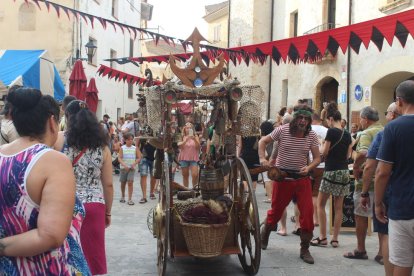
(348, 71)
(228, 36)
(228, 30)
(270, 60)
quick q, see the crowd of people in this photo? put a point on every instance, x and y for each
(56, 185)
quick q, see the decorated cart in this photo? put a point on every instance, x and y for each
(220, 216)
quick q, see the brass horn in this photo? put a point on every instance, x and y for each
(236, 94)
(170, 97)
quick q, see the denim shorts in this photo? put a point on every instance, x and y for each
(185, 164)
(145, 167)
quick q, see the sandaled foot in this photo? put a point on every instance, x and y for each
(281, 233)
(319, 242)
(143, 200)
(357, 255)
(122, 200)
(379, 259)
(152, 196)
(334, 243)
(130, 202)
(297, 232)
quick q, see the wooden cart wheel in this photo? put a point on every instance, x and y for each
(164, 201)
(248, 217)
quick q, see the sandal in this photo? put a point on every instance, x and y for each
(297, 232)
(130, 202)
(293, 219)
(122, 200)
(152, 196)
(319, 242)
(334, 243)
(356, 255)
(143, 200)
(379, 259)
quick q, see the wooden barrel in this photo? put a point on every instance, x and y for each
(211, 183)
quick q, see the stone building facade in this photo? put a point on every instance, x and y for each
(31, 28)
(337, 78)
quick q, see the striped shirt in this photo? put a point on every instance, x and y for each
(293, 151)
(129, 155)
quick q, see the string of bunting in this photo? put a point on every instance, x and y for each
(312, 47)
(133, 31)
(304, 48)
(117, 75)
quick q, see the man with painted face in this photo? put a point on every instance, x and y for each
(295, 140)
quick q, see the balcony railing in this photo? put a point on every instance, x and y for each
(321, 28)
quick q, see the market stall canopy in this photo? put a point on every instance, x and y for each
(3, 89)
(91, 97)
(77, 81)
(32, 68)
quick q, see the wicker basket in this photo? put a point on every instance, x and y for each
(204, 240)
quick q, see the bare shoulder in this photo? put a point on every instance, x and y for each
(55, 158)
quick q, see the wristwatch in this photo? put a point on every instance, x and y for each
(366, 194)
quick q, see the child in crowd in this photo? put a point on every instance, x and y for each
(129, 156)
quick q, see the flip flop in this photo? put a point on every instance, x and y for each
(334, 243)
(319, 242)
(281, 234)
(297, 232)
(357, 255)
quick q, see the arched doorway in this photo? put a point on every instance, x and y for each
(327, 90)
(383, 91)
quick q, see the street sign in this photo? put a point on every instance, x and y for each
(358, 92)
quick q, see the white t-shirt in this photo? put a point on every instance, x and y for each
(321, 133)
(132, 127)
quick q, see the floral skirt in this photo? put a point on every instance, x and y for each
(335, 183)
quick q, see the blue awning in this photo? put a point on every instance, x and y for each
(31, 68)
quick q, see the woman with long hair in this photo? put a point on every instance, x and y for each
(40, 216)
(84, 142)
(335, 180)
(189, 154)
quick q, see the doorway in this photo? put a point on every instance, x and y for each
(383, 91)
(327, 90)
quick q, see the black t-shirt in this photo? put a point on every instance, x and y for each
(249, 151)
(337, 155)
(147, 150)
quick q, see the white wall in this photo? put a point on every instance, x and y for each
(113, 94)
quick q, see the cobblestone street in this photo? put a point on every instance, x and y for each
(131, 248)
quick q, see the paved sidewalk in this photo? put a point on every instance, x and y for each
(131, 248)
